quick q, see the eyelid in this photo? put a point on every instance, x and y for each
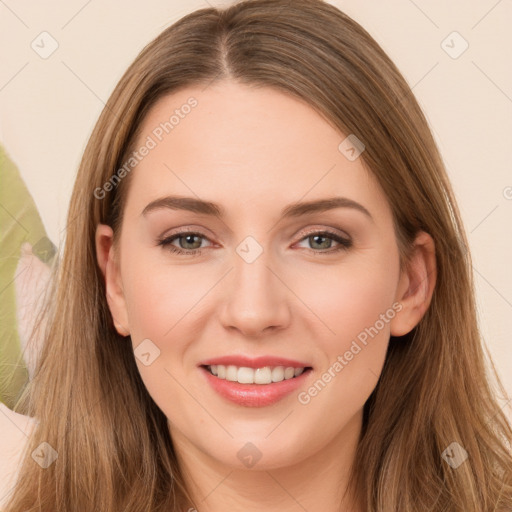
(182, 231)
(316, 229)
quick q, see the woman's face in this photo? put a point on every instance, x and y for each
(259, 277)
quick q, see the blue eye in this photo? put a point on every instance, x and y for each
(316, 237)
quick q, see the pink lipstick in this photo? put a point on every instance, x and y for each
(254, 382)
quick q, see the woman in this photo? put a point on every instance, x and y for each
(202, 351)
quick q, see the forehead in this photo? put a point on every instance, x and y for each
(241, 145)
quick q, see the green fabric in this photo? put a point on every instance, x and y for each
(20, 222)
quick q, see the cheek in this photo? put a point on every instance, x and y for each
(368, 297)
(355, 307)
(159, 301)
(358, 313)
(348, 297)
(159, 296)
(162, 303)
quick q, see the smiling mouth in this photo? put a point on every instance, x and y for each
(246, 375)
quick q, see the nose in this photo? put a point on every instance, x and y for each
(256, 298)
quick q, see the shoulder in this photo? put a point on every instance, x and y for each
(15, 431)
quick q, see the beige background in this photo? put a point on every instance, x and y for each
(48, 106)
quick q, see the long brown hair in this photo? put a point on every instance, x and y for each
(113, 443)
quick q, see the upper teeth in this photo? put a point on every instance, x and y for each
(245, 375)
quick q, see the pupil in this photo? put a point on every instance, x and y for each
(321, 237)
(188, 238)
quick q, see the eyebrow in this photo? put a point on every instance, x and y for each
(291, 211)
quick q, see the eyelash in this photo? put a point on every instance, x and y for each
(344, 243)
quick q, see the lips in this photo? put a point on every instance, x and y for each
(257, 362)
(253, 394)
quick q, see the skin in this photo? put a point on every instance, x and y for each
(255, 151)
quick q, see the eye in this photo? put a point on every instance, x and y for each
(187, 240)
(324, 239)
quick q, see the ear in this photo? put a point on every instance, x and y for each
(416, 285)
(109, 266)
